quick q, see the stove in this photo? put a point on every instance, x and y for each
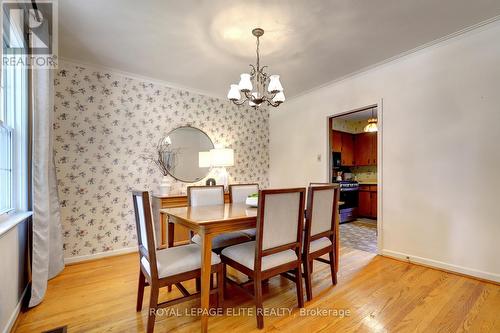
(349, 198)
(348, 185)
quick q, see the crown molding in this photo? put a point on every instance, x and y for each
(405, 55)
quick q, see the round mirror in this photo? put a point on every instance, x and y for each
(188, 157)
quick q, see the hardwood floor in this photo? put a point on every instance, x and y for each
(382, 295)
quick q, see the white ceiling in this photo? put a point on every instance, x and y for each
(205, 45)
(363, 115)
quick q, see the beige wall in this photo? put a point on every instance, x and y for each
(440, 149)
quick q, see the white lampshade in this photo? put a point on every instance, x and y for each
(274, 84)
(222, 157)
(279, 98)
(234, 93)
(245, 84)
(204, 159)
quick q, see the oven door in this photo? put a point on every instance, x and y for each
(349, 198)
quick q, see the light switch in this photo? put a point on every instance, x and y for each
(318, 157)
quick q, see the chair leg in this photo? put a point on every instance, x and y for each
(140, 291)
(198, 284)
(169, 288)
(224, 274)
(257, 285)
(333, 271)
(153, 305)
(298, 283)
(220, 287)
(307, 278)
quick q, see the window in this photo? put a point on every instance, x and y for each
(13, 139)
(5, 168)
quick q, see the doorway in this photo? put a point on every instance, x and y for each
(354, 164)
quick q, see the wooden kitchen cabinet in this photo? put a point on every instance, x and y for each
(364, 203)
(336, 141)
(365, 149)
(373, 204)
(347, 152)
(367, 201)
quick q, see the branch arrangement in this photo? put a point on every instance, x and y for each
(163, 156)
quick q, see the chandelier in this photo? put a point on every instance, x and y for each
(258, 87)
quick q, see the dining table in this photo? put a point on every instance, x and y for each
(208, 222)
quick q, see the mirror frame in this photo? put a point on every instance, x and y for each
(213, 146)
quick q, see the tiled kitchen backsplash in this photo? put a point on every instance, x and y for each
(365, 173)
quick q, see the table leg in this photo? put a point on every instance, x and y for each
(170, 234)
(206, 263)
(163, 229)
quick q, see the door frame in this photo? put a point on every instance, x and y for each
(380, 112)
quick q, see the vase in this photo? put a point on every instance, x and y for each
(165, 185)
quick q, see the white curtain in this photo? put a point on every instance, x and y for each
(47, 259)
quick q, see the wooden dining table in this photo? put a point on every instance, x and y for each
(208, 222)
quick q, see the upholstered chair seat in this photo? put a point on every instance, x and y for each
(319, 244)
(245, 255)
(224, 240)
(250, 232)
(177, 260)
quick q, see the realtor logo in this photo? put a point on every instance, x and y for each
(29, 33)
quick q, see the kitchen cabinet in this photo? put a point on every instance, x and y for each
(365, 149)
(343, 143)
(367, 201)
(347, 152)
(336, 141)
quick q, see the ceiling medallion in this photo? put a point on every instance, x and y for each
(258, 87)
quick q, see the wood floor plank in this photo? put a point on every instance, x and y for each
(382, 295)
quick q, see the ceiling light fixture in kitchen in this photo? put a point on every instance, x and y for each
(372, 124)
(257, 86)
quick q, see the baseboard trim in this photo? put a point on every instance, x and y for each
(464, 271)
(95, 256)
(12, 323)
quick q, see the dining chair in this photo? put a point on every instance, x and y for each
(166, 267)
(213, 195)
(277, 248)
(320, 230)
(238, 193)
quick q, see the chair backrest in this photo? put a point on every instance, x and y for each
(145, 230)
(238, 193)
(322, 211)
(279, 222)
(205, 195)
(320, 184)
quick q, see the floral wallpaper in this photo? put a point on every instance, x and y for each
(105, 121)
